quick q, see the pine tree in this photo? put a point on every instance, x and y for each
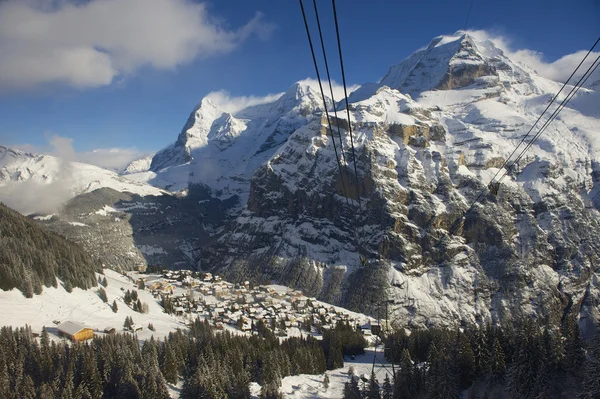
(441, 379)
(591, 371)
(102, 294)
(169, 366)
(351, 389)
(27, 388)
(114, 306)
(45, 392)
(68, 286)
(522, 373)
(326, 381)
(405, 386)
(388, 389)
(498, 363)
(127, 298)
(373, 387)
(573, 344)
(465, 360)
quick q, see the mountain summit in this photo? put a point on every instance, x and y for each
(454, 62)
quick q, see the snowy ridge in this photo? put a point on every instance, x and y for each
(221, 150)
(21, 170)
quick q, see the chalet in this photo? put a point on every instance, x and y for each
(75, 331)
(179, 310)
(109, 330)
(136, 327)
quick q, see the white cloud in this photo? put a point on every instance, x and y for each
(25, 196)
(337, 88)
(228, 103)
(232, 104)
(558, 70)
(90, 44)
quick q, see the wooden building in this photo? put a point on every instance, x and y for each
(75, 332)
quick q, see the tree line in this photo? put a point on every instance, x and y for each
(32, 257)
(529, 360)
(211, 365)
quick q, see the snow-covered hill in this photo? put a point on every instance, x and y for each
(30, 180)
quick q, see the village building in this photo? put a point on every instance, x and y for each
(75, 332)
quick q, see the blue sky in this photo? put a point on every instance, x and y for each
(137, 95)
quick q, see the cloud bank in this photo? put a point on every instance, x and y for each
(228, 103)
(89, 44)
(558, 70)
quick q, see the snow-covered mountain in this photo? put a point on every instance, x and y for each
(428, 139)
(24, 176)
(221, 150)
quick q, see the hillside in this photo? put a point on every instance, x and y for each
(32, 257)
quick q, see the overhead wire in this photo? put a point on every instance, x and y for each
(337, 32)
(468, 14)
(545, 110)
(329, 79)
(553, 116)
(581, 81)
(312, 51)
(349, 192)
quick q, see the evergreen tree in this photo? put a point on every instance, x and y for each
(326, 381)
(591, 371)
(45, 392)
(127, 298)
(373, 387)
(573, 346)
(465, 361)
(498, 364)
(102, 294)
(441, 379)
(388, 389)
(405, 386)
(522, 373)
(114, 306)
(169, 366)
(27, 388)
(351, 389)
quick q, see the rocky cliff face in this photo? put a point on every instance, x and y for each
(531, 249)
(428, 139)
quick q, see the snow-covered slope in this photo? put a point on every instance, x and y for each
(24, 176)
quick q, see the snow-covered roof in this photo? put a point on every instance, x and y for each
(70, 327)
